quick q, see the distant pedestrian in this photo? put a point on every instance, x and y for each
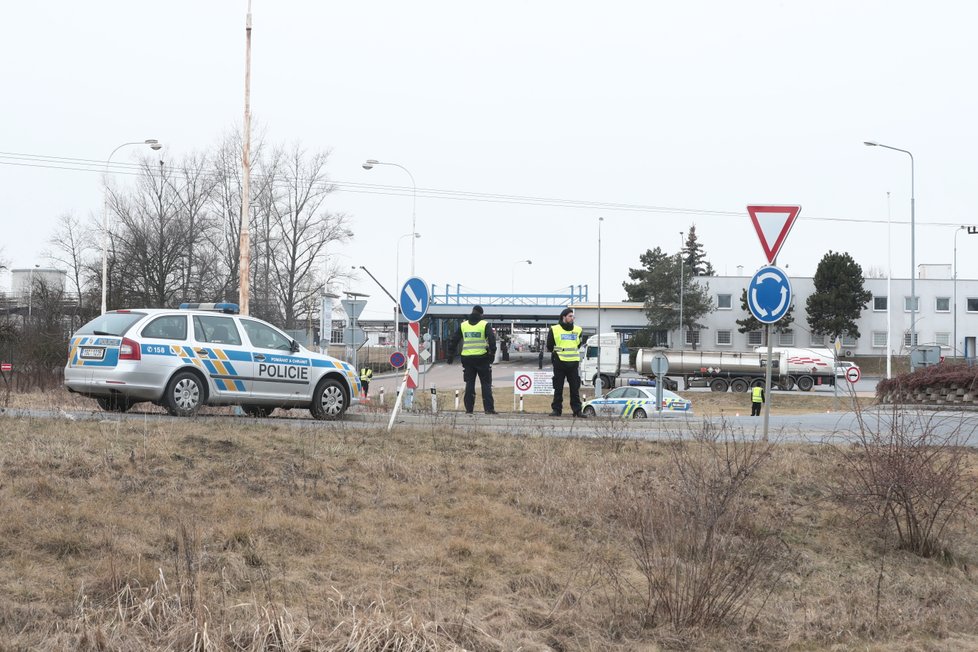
(564, 341)
(475, 342)
(366, 375)
(756, 401)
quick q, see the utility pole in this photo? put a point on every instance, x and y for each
(244, 243)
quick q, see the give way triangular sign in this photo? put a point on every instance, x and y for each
(772, 224)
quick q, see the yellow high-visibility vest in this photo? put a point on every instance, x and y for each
(567, 343)
(756, 395)
(366, 374)
(474, 341)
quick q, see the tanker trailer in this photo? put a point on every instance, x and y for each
(720, 370)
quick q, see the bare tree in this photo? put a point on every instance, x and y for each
(193, 187)
(71, 246)
(301, 228)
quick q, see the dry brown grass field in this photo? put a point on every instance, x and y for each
(192, 535)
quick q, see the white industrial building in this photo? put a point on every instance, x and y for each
(947, 315)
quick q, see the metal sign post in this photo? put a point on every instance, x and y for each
(414, 301)
(769, 299)
(660, 367)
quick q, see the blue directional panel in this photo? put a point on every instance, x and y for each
(769, 294)
(414, 299)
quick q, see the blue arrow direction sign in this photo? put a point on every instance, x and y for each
(769, 294)
(414, 299)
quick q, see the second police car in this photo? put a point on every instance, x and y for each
(636, 403)
(203, 354)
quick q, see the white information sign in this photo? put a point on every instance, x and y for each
(533, 382)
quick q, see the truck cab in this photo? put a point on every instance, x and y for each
(602, 356)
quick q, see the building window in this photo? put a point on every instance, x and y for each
(911, 304)
(943, 340)
(817, 340)
(879, 304)
(879, 339)
(692, 338)
(786, 338)
(972, 305)
(724, 338)
(755, 338)
(943, 304)
(850, 342)
(724, 302)
(906, 339)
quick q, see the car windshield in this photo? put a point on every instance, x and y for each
(111, 323)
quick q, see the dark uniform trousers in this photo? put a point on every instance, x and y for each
(481, 366)
(570, 372)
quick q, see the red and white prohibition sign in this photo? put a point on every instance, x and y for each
(852, 375)
(524, 383)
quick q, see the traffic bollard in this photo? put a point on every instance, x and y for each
(381, 396)
(434, 400)
(456, 400)
(521, 402)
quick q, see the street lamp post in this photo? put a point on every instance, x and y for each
(153, 144)
(512, 283)
(913, 244)
(682, 283)
(30, 292)
(598, 383)
(397, 286)
(972, 230)
(369, 165)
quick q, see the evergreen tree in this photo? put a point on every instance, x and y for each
(695, 256)
(839, 297)
(749, 323)
(657, 285)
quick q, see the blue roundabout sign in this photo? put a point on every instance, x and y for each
(769, 294)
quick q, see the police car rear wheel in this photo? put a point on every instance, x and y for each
(184, 395)
(639, 413)
(329, 401)
(589, 412)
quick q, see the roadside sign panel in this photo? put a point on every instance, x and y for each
(660, 364)
(772, 223)
(769, 294)
(6, 366)
(414, 299)
(852, 375)
(397, 359)
(533, 382)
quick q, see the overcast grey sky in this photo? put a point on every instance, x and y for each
(699, 106)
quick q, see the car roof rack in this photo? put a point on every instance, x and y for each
(227, 308)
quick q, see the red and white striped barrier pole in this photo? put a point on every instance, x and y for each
(414, 342)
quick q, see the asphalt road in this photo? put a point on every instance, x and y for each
(818, 428)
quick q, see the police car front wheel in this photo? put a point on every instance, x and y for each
(330, 401)
(184, 395)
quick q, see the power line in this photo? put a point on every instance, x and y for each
(71, 164)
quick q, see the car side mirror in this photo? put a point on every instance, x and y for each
(295, 346)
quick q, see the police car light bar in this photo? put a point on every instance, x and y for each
(229, 308)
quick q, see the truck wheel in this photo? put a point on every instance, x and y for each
(805, 383)
(718, 385)
(329, 401)
(787, 383)
(607, 382)
(184, 395)
(739, 385)
(670, 384)
(757, 382)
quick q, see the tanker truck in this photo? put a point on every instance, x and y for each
(738, 372)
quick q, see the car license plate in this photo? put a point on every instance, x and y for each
(92, 353)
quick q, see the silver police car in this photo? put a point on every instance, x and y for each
(203, 354)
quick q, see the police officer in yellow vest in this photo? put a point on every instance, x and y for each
(475, 342)
(366, 374)
(563, 341)
(756, 400)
